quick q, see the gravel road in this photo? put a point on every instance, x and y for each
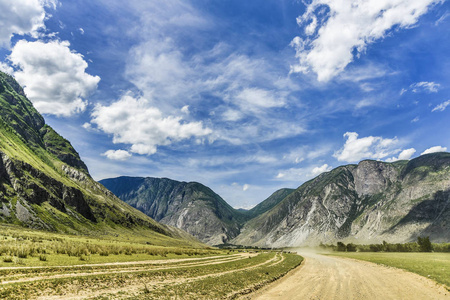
(326, 277)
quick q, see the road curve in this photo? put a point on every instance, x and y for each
(326, 277)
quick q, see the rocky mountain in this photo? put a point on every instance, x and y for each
(190, 206)
(45, 185)
(365, 203)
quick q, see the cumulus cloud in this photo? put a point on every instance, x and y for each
(336, 31)
(117, 154)
(22, 17)
(134, 121)
(54, 77)
(434, 149)
(442, 106)
(404, 155)
(319, 170)
(245, 187)
(372, 147)
(424, 86)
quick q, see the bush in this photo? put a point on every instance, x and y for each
(43, 257)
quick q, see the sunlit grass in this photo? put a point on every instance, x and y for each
(435, 266)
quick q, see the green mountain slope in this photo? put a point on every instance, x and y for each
(270, 202)
(45, 185)
(190, 206)
(368, 202)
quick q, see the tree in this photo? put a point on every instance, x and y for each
(341, 246)
(424, 244)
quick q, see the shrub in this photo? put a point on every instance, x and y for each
(8, 259)
(43, 257)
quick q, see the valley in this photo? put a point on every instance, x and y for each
(65, 236)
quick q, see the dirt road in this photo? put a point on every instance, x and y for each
(325, 277)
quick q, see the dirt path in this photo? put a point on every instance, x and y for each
(133, 289)
(325, 277)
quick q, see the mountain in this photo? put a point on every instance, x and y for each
(190, 206)
(269, 203)
(368, 202)
(45, 185)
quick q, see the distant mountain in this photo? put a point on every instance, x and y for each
(190, 206)
(45, 185)
(368, 202)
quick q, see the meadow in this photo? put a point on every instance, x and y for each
(435, 266)
(38, 265)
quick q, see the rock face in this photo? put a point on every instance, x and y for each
(45, 185)
(190, 206)
(365, 203)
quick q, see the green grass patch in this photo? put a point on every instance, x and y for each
(435, 266)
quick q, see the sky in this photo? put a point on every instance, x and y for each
(246, 97)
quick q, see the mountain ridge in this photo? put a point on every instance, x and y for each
(367, 202)
(343, 204)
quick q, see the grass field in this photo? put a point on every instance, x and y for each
(39, 265)
(212, 277)
(435, 266)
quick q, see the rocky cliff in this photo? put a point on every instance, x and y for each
(190, 206)
(368, 202)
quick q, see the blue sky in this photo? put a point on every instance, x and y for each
(245, 97)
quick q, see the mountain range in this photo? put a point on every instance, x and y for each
(364, 203)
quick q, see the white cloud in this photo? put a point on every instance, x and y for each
(22, 17)
(185, 109)
(6, 69)
(232, 85)
(404, 155)
(434, 149)
(319, 170)
(301, 174)
(256, 98)
(53, 76)
(81, 30)
(371, 147)
(232, 115)
(415, 120)
(337, 29)
(425, 86)
(442, 106)
(117, 154)
(442, 18)
(300, 154)
(237, 186)
(136, 122)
